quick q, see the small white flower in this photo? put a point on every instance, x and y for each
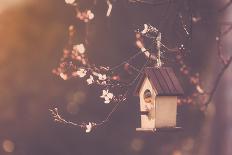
(145, 30)
(104, 93)
(95, 73)
(70, 1)
(101, 77)
(143, 49)
(63, 76)
(107, 96)
(110, 6)
(107, 101)
(103, 83)
(90, 80)
(88, 127)
(90, 14)
(199, 89)
(80, 48)
(81, 72)
(110, 95)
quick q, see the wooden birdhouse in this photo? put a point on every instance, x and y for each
(158, 89)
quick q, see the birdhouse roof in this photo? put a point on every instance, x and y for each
(163, 80)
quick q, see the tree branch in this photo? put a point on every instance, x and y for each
(218, 79)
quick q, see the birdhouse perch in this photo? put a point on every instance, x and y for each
(158, 89)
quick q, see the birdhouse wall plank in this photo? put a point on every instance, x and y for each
(147, 123)
(166, 111)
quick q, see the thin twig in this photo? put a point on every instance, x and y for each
(225, 6)
(58, 118)
(154, 3)
(113, 110)
(126, 61)
(228, 30)
(219, 49)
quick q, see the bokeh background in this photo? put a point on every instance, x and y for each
(32, 36)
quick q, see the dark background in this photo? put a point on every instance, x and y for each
(32, 36)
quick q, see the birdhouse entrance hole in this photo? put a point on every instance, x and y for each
(147, 96)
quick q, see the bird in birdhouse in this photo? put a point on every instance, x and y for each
(158, 90)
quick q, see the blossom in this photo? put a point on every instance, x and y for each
(143, 49)
(196, 19)
(199, 89)
(90, 14)
(89, 127)
(85, 16)
(95, 73)
(140, 45)
(90, 80)
(110, 6)
(101, 77)
(103, 83)
(64, 76)
(81, 72)
(70, 1)
(80, 48)
(107, 96)
(145, 30)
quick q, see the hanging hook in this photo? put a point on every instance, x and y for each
(158, 46)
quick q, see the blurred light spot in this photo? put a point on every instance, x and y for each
(5, 4)
(69, 1)
(74, 101)
(176, 152)
(137, 144)
(210, 112)
(8, 146)
(196, 19)
(188, 144)
(72, 108)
